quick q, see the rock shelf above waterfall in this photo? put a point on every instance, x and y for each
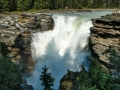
(16, 32)
(104, 33)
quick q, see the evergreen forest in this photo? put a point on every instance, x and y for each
(23, 5)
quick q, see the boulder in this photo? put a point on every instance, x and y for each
(70, 81)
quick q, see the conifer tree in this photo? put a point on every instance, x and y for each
(97, 78)
(10, 75)
(24, 5)
(4, 50)
(8, 5)
(20, 5)
(46, 79)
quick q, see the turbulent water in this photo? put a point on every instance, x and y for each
(65, 47)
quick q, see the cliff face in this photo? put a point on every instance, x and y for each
(105, 33)
(16, 31)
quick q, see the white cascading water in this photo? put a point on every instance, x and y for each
(61, 49)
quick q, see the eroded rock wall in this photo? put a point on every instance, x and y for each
(105, 33)
(16, 31)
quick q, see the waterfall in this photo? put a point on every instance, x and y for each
(64, 47)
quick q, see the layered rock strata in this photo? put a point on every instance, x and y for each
(16, 32)
(105, 33)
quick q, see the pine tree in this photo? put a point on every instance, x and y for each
(51, 4)
(47, 79)
(4, 50)
(8, 5)
(1, 4)
(24, 5)
(97, 78)
(10, 75)
(20, 5)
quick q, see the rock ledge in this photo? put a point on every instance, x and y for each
(104, 33)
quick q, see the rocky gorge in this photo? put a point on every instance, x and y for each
(16, 32)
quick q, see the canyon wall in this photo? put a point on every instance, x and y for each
(16, 32)
(105, 33)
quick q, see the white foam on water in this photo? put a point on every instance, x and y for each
(61, 49)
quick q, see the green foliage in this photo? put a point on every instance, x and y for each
(4, 50)
(22, 5)
(47, 79)
(42, 4)
(97, 78)
(1, 4)
(8, 5)
(10, 74)
(51, 4)
(37, 5)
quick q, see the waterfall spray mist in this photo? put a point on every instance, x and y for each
(61, 49)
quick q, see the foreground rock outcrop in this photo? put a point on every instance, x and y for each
(105, 33)
(16, 31)
(70, 81)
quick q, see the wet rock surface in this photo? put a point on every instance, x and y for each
(16, 31)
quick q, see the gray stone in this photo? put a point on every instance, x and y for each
(105, 33)
(16, 30)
